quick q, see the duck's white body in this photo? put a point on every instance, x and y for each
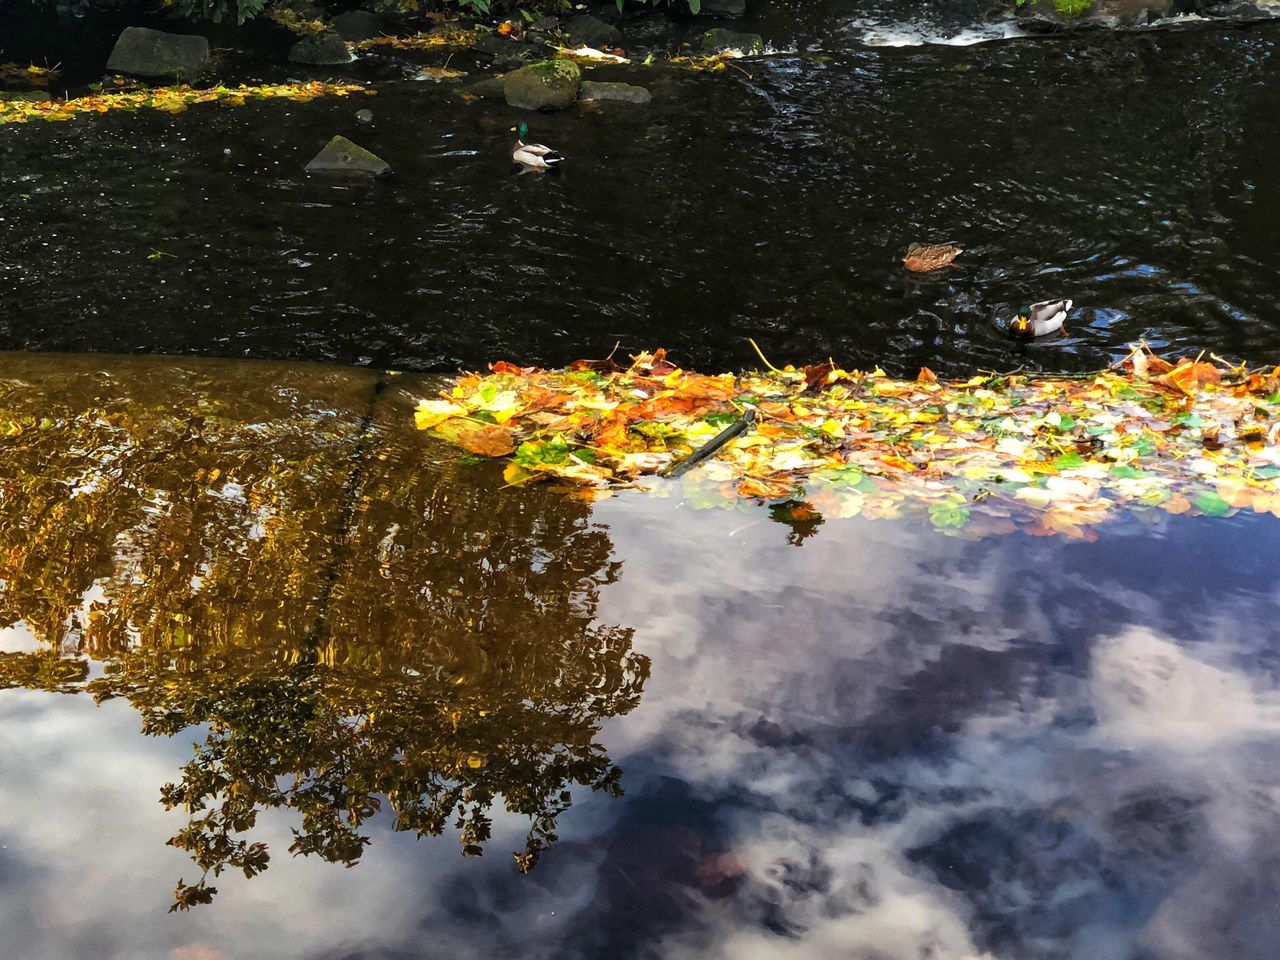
(535, 156)
(1040, 319)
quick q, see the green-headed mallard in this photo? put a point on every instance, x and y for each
(1039, 319)
(535, 156)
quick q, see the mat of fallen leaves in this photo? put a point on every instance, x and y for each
(992, 454)
(173, 99)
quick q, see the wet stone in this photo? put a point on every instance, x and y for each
(589, 31)
(341, 157)
(549, 85)
(356, 25)
(143, 52)
(321, 50)
(620, 92)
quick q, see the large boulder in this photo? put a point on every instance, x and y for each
(321, 50)
(491, 88)
(142, 52)
(589, 31)
(621, 92)
(549, 85)
(719, 40)
(341, 157)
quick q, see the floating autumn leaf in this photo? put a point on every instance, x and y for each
(484, 439)
(171, 99)
(421, 41)
(921, 258)
(981, 456)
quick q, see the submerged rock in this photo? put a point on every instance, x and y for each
(342, 157)
(321, 50)
(142, 52)
(589, 31)
(356, 25)
(491, 89)
(621, 92)
(720, 40)
(549, 85)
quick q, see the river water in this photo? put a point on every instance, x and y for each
(249, 591)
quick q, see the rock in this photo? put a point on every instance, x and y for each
(549, 85)
(356, 25)
(341, 156)
(1045, 16)
(364, 116)
(589, 31)
(143, 52)
(321, 50)
(719, 40)
(621, 92)
(490, 89)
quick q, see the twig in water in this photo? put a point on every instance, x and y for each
(708, 449)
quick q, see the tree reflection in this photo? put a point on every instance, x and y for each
(355, 628)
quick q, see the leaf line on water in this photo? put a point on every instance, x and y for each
(995, 453)
(173, 99)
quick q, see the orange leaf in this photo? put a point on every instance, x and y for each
(927, 376)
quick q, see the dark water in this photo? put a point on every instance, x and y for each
(1134, 173)
(724, 736)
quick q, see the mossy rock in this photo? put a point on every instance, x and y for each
(321, 50)
(548, 85)
(619, 92)
(142, 52)
(340, 157)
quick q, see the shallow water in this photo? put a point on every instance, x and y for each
(725, 735)
(1131, 172)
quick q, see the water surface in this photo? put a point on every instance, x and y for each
(256, 591)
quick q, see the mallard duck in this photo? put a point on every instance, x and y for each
(535, 156)
(1039, 319)
(921, 257)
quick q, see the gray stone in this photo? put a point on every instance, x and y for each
(342, 157)
(719, 40)
(621, 92)
(142, 52)
(490, 89)
(364, 116)
(356, 25)
(321, 50)
(589, 31)
(549, 85)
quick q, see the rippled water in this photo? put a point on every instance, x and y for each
(1133, 173)
(254, 592)
(718, 735)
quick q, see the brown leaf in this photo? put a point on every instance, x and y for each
(927, 376)
(485, 439)
(605, 366)
(816, 375)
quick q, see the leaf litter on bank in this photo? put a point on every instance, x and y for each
(992, 454)
(174, 99)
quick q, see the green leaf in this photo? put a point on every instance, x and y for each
(948, 513)
(1125, 472)
(846, 476)
(1068, 461)
(1212, 505)
(695, 6)
(1268, 472)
